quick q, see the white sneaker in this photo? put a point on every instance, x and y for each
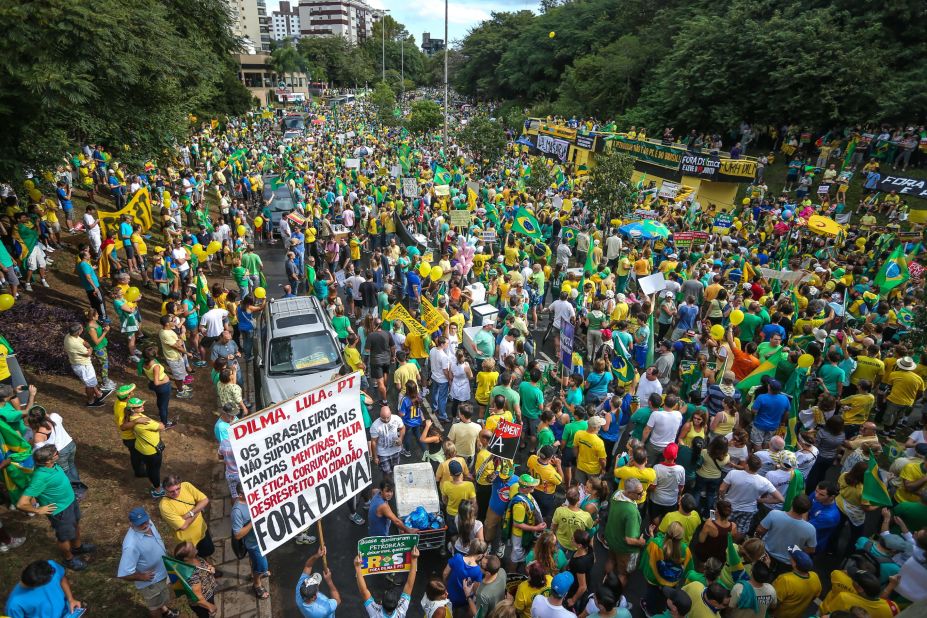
(15, 542)
(45, 283)
(28, 287)
(109, 385)
(50, 249)
(305, 539)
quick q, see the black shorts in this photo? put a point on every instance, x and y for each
(378, 371)
(569, 458)
(130, 251)
(207, 342)
(65, 523)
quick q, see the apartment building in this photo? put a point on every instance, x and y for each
(351, 19)
(284, 24)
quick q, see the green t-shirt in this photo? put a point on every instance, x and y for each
(252, 261)
(13, 418)
(833, 376)
(240, 274)
(624, 521)
(341, 323)
(639, 421)
(913, 514)
(748, 327)
(512, 398)
(570, 429)
(532, 400)
(596, 319)
(545, 437)
(310, 276)
(51, 486)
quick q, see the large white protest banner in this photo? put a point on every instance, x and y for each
(301, 459)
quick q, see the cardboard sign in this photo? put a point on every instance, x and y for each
(489, 236)
(394, 171)
(669, 189)
(823, 189)
(505, 439)
(652, 283)
(410, 187)
(349, 163)
(386, 554)
(460, 218)
(443, 190)
(567, 331)
(301, 459)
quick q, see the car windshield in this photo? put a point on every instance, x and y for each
(295, 123)
(302, 354)
(283, 198)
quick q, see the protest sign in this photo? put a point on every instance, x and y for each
(699, 165)
(340, 278)
(647, 214)
(685, 239)
(915, 187)
(443, 190)
(301, 459)
(489, 236)
(824, 189)
(553, 147)
(386, 554)
(410, 187)
(394, 171)
(668, 189)
(352, 163)
(567, 331)
(916, 270)
(504, 441)
(399, 312)
(791, 277)
(460, 218)
(432, 317)
(652, 283)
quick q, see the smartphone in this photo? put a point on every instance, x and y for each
(80, 611)
(711, 514)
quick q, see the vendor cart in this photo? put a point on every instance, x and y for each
(415, 487)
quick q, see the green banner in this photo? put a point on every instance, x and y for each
(386, 554)
(656, 154)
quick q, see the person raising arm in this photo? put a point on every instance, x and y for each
(374, 609)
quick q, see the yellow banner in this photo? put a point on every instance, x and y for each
(743, 168)
(433, 318)
(558, 131)
(139, 207)
(399, 312)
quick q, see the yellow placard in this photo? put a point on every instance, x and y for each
(139, 207)
(399, 312)
(432, 317)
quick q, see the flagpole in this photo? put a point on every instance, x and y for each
(446, 44)
(322, 544)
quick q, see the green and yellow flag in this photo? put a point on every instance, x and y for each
(442, 176)
(874, 490)
(526, 223)
(766, 368)
(894, 271)
(795, 488)
(179, 574)
(17, 450)
(340, 188)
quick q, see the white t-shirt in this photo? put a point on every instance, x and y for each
(780, 480)
(647, 387)
(477, 526)
(505, 348)
(180, 256)
(613, 247)
(664, 425)
(213, 320)
(439, 360)
(59, 436)
(354, 282)
(745, 489)
(563, 312)
(541, 608)
(918, 437)
(665, 490)
(387, 435)
(92, 232)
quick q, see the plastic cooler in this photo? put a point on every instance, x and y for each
(415, 487)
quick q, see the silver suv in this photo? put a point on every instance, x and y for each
(298, 349)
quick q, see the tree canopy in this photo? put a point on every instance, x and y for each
(706, 64)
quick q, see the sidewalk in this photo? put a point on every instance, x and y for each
(235, 598)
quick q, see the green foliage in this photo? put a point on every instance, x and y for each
(541, 177)
(706, 65)
(608, 190)
(334, 59)
(402, 53)
(425, 116)
(384, 102)
(484, 139)
(124, 73)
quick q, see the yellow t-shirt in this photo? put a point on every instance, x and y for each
(485, 478)
(860, 405)
(455, 493)
(416, 346)
(699, 608)
(147, 435)
(524, 596)
(906, 386)
(794, 593)
(623, 268)
(620, 312)
(546, 473)
(647, 477)
(511, 256)
(173, 510)
(868, 368)
(403, 374)
(911, 472)
(590, 449)
(493, 421)
(353, 358)
(485, 381)
(568, 522)
(843, 596)
(168, 340)
(76, 351)
(119, 416)
(355, 249)
(443, 472)
(689, 523)
(4, 365)
(139, 242)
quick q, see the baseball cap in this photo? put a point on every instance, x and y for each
(561, 583)
(455, 468)
(528, 481)
(680, 599)
(802, 560)
(596, 421)
(138, 516)
(671, 451)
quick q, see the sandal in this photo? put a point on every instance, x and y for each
(261, 593)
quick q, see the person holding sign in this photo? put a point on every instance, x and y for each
(310, 602)
(390, 607)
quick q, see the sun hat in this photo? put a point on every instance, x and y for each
(906, 363)
(124, 391)
(135, 402)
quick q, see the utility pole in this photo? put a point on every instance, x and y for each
(402, 70)
(445, 73)
(383, 40)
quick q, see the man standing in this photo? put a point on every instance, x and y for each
(526, 518)
(824, 514)
(51, 488)
(781, 530)
(386, 435)
(182, 509)
(661, 429)
(623, 533)
(439, 361)
(79, 354)
(142, 549)
(310, 602)
(380, 346)
(243, 531)
(796, 589)
(225, 347)
(546, 468)
(485, 342)
(87, 275)
(590, 450)
(771, 411)
(744, 489)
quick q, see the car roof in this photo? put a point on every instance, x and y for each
(291, 316)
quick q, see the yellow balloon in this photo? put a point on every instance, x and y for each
(200, 252)
(717, 332)
(746, 201)
(260, 293)
(29, 184)
(737, 316)
(241, 230)
(566, 287)
(258, 222)
(133, 294)
(35, 195)
(552, 34)
(436, 273)
(6, 301)
(213, 247)
(805, 361)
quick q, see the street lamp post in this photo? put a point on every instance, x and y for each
(383, 37)
(402, 69)
(445, 73)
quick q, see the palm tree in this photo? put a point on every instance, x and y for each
(286, 60)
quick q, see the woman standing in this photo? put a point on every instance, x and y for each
(410, 410)
(724, 421)
(159, 382)
(711, 541)
(850, 500)
(468, 527)
(148, 443)
(202, 581)
(461, 374)
(829, 438)
(49, 429)
(596, 386)
(580, 565)
(709, 475)
(342, 325)
(96, 334)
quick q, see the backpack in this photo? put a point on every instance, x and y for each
(864, 560)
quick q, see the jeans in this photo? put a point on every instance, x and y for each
(138, 465)
(413, 435)
(163, 398)
(258, 561)
(708, 487)
(439, 393)
(247, 343)
(66, 461)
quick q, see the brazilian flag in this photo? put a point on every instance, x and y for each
(796, 487)
(179, 574)
(569, 235)
(874, 489)
(894, 271)
(340, 188)
(766, 368)
(442, 176)
(16, 474)
(526, 223)
(540, 250)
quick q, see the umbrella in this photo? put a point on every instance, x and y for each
(646, 229)
(524, 141)
(824, 225)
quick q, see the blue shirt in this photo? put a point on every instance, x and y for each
(85, 270)
(772, 329)
(825, 518)
(142, 552)
(46, 601)
(688, 314)
(240, 519)
(785, 531)
(460, 571)
(125, 233)
(499, 498)
(322, 607)
(377, 525)
(769, 410)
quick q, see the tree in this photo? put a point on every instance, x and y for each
(424, 117)
(484, 139)
(541, 177)
(608, 190)
(285, 60)
(384, 102)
